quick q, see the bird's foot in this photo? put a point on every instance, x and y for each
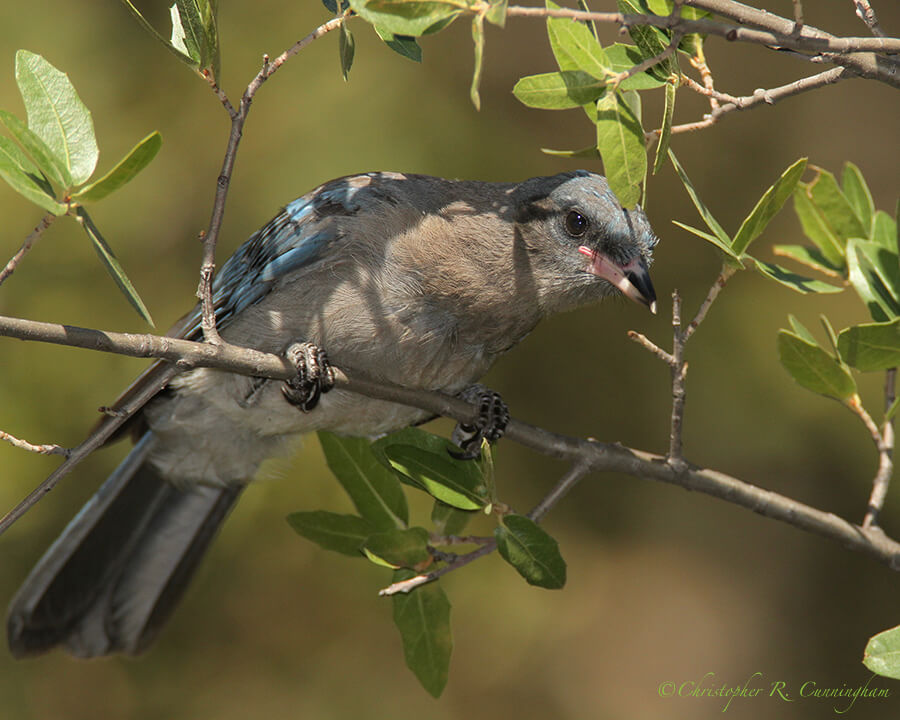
(315, 375)
(490, 423)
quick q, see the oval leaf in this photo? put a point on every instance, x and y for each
(813, 368)
(374, 490)
(22, 175)
(423, 618)
(399, 548)
(129, 166)
(575, 47)
(57, 115)
(345, 534)
(531, 551)
(874, 346)
(882, 655)
(559, 90)
(51, 166)
(797, 283)
(402, 17)
(620, 140)
(452, 482)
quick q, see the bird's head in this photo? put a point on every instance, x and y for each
(582, 244)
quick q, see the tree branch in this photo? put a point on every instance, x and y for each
(14, 261)
(592, 455)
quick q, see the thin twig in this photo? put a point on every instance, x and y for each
(238, 118)
(798, 18)
(14, 261)
(558, 492)
(405, 586)
(769, 97)
(678, 370)
(865, 13)
(48, 449)
(885, 444)
(645, 65)
(641, 339)
(724, 275)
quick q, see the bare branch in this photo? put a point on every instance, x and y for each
(14, 261)
(865, 13)
(566, 483)
(769, 97)
(30, 447)
(884, 441)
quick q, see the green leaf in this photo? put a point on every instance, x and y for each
(452, 482)
(112, 264)
(401, 44)
(832, 337)
(449, 520)
(810, 256)
(558, 90)
(870, 347)
(816, 229)
(531, 551)
(622, 57)
(650, 40)
(662, 146)
(129, 166)
(57, 115)
(882, 655)
(858, 195)
(24, 177)
(423, 618)
(402, 17)
(767, 207)
(497, 14)
(347, 48)
(588, 152)
(478, 41)
(710, 239)
(884, 231)
(180, 53)
(834, 207)
(724, 239)
(874, 273)
(195, 33)
(52, 167)
(800, 329)
(620, 140)
(374, 490)
(341, 533)
(792, 280)
(575, 47)
(398, 548)
(814, 368)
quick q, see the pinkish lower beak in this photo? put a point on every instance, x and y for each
(632, 280)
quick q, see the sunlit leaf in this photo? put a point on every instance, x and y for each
(810, 256)
(724, 239)
(57, 115)
(125, 171)
(870, 347)
(406, 18)
(620, 140)
(817, 229)
(558, 90)
(767, 207)
(882, 654)
(858, 195)
(792, 280)
(874, 273)
(575, 47)
(814, 368)
(17, 169)
(52, 167)
(111, 263)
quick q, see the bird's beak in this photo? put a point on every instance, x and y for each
(632, 280)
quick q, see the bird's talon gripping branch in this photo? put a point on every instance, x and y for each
(315, 375)
(490, 424)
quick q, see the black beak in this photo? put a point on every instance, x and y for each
(637, 273)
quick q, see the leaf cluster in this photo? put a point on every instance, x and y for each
(51, 158)
(373, 476)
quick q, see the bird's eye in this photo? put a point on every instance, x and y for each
(576, 223)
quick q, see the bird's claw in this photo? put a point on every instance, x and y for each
(314, 377)
(489, 424)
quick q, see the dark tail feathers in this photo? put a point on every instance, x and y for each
(116, 573)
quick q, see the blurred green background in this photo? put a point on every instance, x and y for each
(664, 585)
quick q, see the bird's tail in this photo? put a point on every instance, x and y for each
(113, 577)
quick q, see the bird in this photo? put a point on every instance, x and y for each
(407, 279)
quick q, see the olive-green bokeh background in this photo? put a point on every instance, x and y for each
(663, 585)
